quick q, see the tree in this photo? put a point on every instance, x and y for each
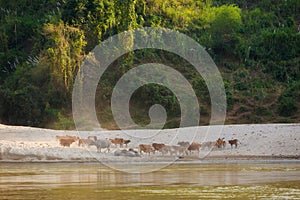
(63, 54)
(226, 21)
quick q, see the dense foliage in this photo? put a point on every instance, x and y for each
(255, 44)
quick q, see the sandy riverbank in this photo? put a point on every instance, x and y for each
(261, 141)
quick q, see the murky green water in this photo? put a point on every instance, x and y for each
(280, 180)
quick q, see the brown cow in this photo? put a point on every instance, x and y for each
(146, 148)
(195, 146)
(126, 142)
(158, 146)
(220, 143)
(117, 141)
(233, 142)
(66, 142)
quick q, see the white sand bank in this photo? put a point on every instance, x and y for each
(263, 140)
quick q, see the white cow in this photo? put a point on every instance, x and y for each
(101, 143)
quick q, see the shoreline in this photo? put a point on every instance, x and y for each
(187, 160)
(257, 142)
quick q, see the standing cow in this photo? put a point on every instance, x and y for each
(195, 146)
(158, 146)
(66, 140)
(146, 148)
(233, 142)
(221, 143)
(117, 141)
(101, 144)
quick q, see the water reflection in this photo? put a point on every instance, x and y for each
(193, 181)
(198, 175)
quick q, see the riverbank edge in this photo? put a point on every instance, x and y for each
(187, 160)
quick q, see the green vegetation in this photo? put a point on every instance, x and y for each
(255, 44)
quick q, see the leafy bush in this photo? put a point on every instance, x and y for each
(262, 111)
(288, 99)
(227, 20)
(287, 106)
(241, 79)
(64, 123)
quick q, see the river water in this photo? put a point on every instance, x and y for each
(242, 180)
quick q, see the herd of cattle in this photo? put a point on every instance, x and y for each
(182, 148)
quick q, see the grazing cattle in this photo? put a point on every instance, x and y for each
(233, 142)
(126, 142)
(66, 142)
(84, 142)
(101, 144)
(195, 146)
(117, 141)
(183, 144)
(146, 148)
(220, 143)
(158, 146)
